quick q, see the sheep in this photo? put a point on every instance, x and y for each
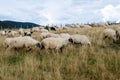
(8, 41)
(43, 35)
(21, 42)
(41, 27)
(85, 26)
(2, 33)
(53, 35)
(99, 25)
(118, 33)
(109, 34)
(35, 29)
(21, 31)
(65, 35)
(27, 33)
(65, 28)
(80, 39)
(11, 33)
(43, 30)
(53, 28)
(48, 34)
(54, 43)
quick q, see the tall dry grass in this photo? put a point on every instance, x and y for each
(101, 61)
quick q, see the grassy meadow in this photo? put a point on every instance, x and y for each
(101, 61)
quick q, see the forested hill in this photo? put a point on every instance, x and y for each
(14, 24)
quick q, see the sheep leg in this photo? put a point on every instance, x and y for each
(16, 50)
(6, 46)
(29, 49)
(61, 49)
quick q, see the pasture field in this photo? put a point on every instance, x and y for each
(101, 61)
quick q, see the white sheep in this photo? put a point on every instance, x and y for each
(109, 34)
(53, 35)
(11, 33)
(35, 29)
(21, 42)
(43, 30)
(2, 33)
(80, 39)
(43, 35)
(118, 33)
(85, 26)
(9, 41)
(54, 43)
(21, 31)
(28, 33)
(48, 34)
(65, 35)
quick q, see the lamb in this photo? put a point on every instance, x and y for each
(21, 42)
(109, 34)
(80, 39)
(54, 43)
(118, 33)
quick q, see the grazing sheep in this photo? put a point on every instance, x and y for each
(65, 28)
(65, 35)
(21, 31)
(41, 27)
(53, 35)
(2, 33)
(27, 33)
(12, 33)
(54, 43)
(53, 28)
(85, 26)
(8, 41)
(21, 42)
(118, 33)
(80, 39)
(43, 35)
(99, 25)
(43, 30)
(35, 29)
(109, 34)
(48, 34)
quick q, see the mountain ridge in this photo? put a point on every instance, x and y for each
(16, 24)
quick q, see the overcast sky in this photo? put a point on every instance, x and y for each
(60, 11)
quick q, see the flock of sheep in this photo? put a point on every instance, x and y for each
(51, 40)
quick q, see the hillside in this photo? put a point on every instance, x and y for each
(14, 24)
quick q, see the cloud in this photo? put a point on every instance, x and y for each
(57, 11)
(111, 13)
